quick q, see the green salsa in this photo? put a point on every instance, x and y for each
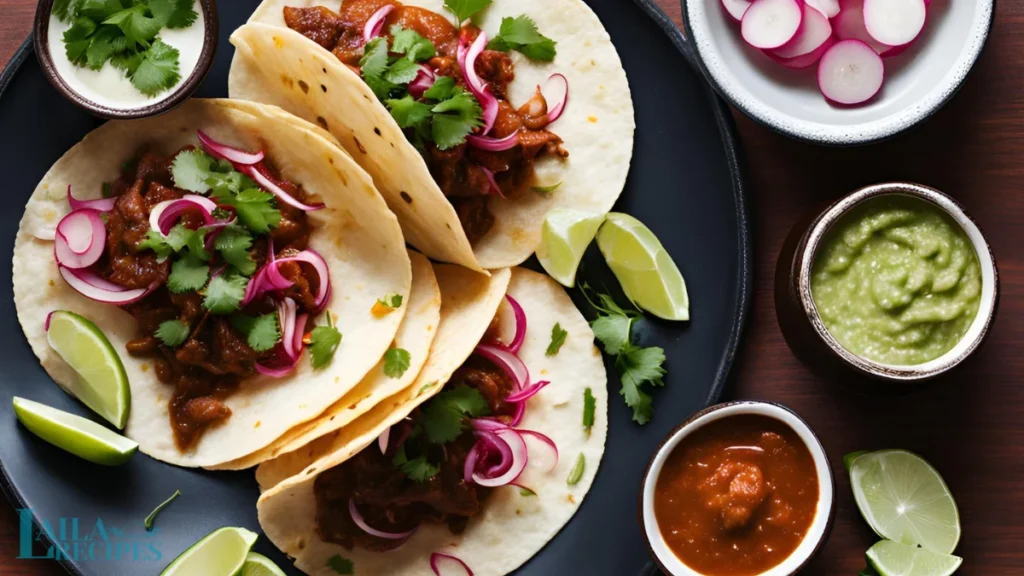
(897, 281)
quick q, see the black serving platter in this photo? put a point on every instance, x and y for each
(685, 183)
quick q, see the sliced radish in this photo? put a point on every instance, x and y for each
(828, 8)
(815, 31)
(807, 59)
(849, 25)
(894, 22)
(850, 72)
(896, 50)
(736, 8)
(770, 24)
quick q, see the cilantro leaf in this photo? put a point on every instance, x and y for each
(465, 9)
(136, 25)
(455, 118)
(158, 69)
(261, 332)
(409, 113)
(409, 42)
(576, 474)
(224, 294)
(172, 333)
(157, 243)
(558, 335)
(374, 64)
(418, 469)
(188, 274)
(255, 209)
(233, 243)
(64, 10)
(612, 332)
(104, 43)
(191, 170)
(181, 237)
(396, 362)
(589, 407)
(127, 61)
(77, 39)
(173, 13)
(402, 72)
(340, 565)
(391, 301)
(324, 341)
(444, 415)
(441, 89)
(98, 10)
(521, 34)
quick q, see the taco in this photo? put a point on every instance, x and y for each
(212, 246)
(469, 157)
(471, 455)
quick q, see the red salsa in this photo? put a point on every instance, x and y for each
(737, 496)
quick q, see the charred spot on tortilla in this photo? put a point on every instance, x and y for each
(406, 197)
(304, 87)
(324, 88)
(376, 131)
(287, 81)
(359, 145)
(322, 122)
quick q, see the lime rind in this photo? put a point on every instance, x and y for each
(890, 558)
(102, 382)
(565, 236)
(257, 564)
(904, 499)
(79, 436)
(223, 551)
(645, 270)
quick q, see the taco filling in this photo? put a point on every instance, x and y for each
(208, 250)
(447, 88)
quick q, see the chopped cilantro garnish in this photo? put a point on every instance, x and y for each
(188, 274)
(391, 301)
(415, 47)
(410, 113)
(526, 492)
(261, 332)
(224, 293)
(157, 243)
(323, 342)
(340, 565)
(520, 33)
(233, 244)
(465, 9)
(396, 362)
(418, 469)
(444, 415)
(148, 522)
(374, 65)
(454, 118)
(255, 209)
(172, 333)
(558, 335)
(196, 171)
(577, 471)
(402, 72)
(636, 366)
(589, 407)
(190, 170)
(104, 31)
(546, 190)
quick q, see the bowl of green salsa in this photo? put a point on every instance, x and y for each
(895, 281)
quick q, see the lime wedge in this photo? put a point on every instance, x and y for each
(83, 438)
(564, 238)
(222, 552)
(647, 273)
(890, 558)
(102, 382)
(849, 458)
(905, 500)
(259, 565)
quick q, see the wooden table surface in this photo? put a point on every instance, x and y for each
(970, 425)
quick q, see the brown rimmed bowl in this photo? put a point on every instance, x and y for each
(211, 34)
(804, 329)
(816, 535)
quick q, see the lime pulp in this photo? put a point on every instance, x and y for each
(648, 275)
(890, 558)
(102, 382)
(259, 565)
(222, 552)
(564, 238)
(79, 436)
(905, 500)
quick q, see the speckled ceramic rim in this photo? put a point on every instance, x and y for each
(820, 527)
(211, 35)
(989, 282)
(732, 89)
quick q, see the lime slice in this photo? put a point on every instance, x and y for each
(647, 273)
(259, 565)
(564, 238)
(890, 558)
(102, 382)
(83, 438)
(905, 500)
(222, 552)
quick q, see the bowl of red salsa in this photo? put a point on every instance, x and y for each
(739, 489)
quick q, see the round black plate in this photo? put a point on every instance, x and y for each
(685, 183)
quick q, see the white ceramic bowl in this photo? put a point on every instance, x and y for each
(917, 82)
(820, 526)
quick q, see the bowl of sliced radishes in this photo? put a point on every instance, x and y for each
(838, 72)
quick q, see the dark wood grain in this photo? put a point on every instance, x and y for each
(971, 424)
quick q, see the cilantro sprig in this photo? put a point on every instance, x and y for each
(444, 416)
(323, 343)
(125, 33)
(172, 333)
(418, 469)
(396, 362)
(521, 34)
(262, 333)
(465, 9)
(636, 365)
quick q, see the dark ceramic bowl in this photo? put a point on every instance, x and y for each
(816, 536)
(803, 327)
(179, 94)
